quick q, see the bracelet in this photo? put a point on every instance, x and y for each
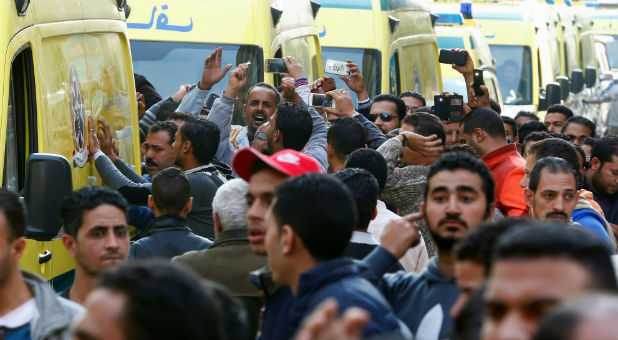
(301, 82)
(404, 143)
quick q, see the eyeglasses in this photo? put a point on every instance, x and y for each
(260, 135)
(385, 116)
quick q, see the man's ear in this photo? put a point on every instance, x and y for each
(329, 151)
(189, 205)
(529, 196)
(478, 135)
(288, 238)
(151, 204)
(276, 135)
(375, 213)
(217, 223)
(186, 146)
(595, 163)
(18, 246)
(69, 244)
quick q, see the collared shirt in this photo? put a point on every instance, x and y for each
(199, 168)
(362, 237)
(507, 167)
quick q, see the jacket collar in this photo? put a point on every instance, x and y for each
(325, 273)
(433, 273)
(231, 236)
(167, 222)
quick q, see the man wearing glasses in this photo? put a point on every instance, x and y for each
(387, 112)
(413, 101)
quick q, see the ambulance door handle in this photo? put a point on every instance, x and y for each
(45, 257)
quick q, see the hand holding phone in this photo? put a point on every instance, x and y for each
(478, 81)
(275, 65)
(321, 100)
(452, 57)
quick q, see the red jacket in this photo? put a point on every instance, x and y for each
(507, 167)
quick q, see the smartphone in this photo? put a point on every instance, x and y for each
(210, 100)
(448, 108)
(452, 57)
(321, 100)
(275, 65)
(336, 67)
(478, 81)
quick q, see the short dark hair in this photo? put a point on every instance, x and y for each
(170, 190)
(204, 138)
(426, 124)
(605, 149)
(168, 126)
(184, 116)
(346, 135)
(561, 136)
(295, 124)
(370, 160)
(529, 127)
(452, 161)
(85, 199)
(526, 114)
(563, 110)
(364, 187)
(591, 141)
(462, 148)
(267, 86)
(166, 109)
(558, 240)
(581, 120)
(485, 119)
(157, 292)
(414, 95)
(478, 244)
(554, 147)
(320, 209)
(533, 137)
(510, 121)
(495, 106)
(15, 213)
(401, 106)
(554, 165)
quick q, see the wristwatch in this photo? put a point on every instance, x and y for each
(404, 143)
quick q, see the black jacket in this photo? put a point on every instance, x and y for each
(167, 236)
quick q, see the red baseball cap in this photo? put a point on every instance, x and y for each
(288, 162)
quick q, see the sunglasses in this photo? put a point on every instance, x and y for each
(385, 116)
(260, 135)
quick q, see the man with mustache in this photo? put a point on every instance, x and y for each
(96, 235)
(459, 196)
(602, 178)
(552, 190)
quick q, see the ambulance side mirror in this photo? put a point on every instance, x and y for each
(48, 182)
(565, 86)
(590, 76)
(552, 94)
(577, 81)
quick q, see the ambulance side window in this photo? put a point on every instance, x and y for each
(21, 136)
(395, 82)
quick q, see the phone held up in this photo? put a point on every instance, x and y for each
(478, 81)
(275, 65)
(452, 57)
(321, 100)
(449, 108)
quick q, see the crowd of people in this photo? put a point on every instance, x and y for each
(375, 220)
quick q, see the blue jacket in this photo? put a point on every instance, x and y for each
(277, 301)
(593, 222)
(423, 301)
(167, 236)
(341, 279)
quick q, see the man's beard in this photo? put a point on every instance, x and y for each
(598, 184)
(443, 243)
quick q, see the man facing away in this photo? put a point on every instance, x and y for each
(168, 234)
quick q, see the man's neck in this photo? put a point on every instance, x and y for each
(493, 144)
(191, 163)
(446, 262)
(13, 293)
(589, 176)
(300, 268)
(336, 164)
(82, 286)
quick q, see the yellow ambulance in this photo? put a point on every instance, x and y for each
(605, 18)
(392, 41)
(171, 39)
(524, 61)
(62, 61)
(453, 31)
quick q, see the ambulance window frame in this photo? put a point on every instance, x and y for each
(24, 111)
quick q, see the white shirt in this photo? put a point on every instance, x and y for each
(19, 316)
(416, 258)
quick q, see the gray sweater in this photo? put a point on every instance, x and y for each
(55, 313)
